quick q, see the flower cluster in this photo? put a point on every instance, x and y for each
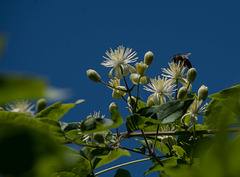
(162, 87)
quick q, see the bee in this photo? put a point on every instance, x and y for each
(182, 58)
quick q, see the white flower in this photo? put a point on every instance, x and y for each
(161, 88)
(176, 73)
(195, 110)
(95, 115)
(21, 106)
(119, 59)
(168, 139)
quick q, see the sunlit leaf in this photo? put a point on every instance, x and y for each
(55, 111)
(141, 104)
(214, 112)
(169, 162)
(168, 112)
(179, 150)
(232, 92)
(113, 155)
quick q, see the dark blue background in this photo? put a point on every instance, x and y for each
(61, 39)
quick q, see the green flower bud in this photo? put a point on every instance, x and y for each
(99, 137)
(150, 101)
(182, 93)
(115, 94)
(144, 79)
(191, 75)
(134, 77)
(93, 75)
(41, 104)
(203, 93)
(113, 106)
(148, 58)
(141, 68)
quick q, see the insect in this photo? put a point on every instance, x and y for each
(182, 58)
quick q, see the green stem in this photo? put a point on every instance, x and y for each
(192, 152)
(137, 95)
(131, 150)
(176, 89)
(145, 139)
(112, 86)
(121, 165)
(155, 141)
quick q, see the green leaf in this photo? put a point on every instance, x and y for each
(122, 173)
(54, 129)
(24, 147)
(73, 166)
(141, 104)
(168, 162)
(168, 112)
(232, 92)
(66, 127)
(91, 125)
(163, 148)
(113, 155)
(214, 112)
(179, 150)
(137, 122)
(56, 111)
(20, 87)
(143, 143)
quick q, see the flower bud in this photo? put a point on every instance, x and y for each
(148, 58)
(115, 94)
(144, 79)
(41, 104)
(191, 75)
(93, 75)
(194, 119)
(134, 77)
(113, 106)
(99, 137)
(182, 93)
(138, 79)
(203, 93)
(150, 101)
(141, 68)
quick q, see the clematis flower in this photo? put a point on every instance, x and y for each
(168, 139)
(119, 59)
(161, 89)
(195, 110)
(176, 73)
(21, 106)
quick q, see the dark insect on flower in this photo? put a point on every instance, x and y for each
(182, 58)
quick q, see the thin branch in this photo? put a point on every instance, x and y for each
(211, 131)
(155, 141)
(81, 144)
(131, 150)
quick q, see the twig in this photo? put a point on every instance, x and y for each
(210, 131)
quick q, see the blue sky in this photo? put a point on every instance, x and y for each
(61, 39)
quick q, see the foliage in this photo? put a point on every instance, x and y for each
(167, 128)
